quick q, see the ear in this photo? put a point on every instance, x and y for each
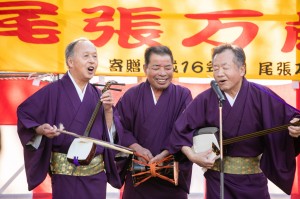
(145, 68)
(243, 70)
(70, 62)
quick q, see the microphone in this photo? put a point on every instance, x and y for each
(217, 90)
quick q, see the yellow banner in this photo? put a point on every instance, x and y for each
(34, 34)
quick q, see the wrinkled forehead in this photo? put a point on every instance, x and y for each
(85, 46)
(160, 59)
(223, 57)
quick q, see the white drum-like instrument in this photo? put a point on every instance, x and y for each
(205, 139)
(81, 151)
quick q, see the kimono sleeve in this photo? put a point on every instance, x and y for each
(33, 112)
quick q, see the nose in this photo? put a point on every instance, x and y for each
(219, 72)
(92, 59)
(162, 71)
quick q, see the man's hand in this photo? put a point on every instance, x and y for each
(145, 153)
(47, 130)
(294, 131)
(203, 159)
(107, 100)
(159, 156)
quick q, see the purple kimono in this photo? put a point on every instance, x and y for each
(150, 126)
(256, 108)
(58, 103)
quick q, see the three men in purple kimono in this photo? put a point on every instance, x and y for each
(70, 101)
(248, 108)
(148, 112)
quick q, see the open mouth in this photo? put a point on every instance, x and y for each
(161, 81)
(91, 69)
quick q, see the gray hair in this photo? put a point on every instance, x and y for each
(70, 48)
(239, 54)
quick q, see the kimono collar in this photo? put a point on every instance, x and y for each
(79, 92)
(154, 99)
(230, 99)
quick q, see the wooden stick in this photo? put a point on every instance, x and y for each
(99, 142)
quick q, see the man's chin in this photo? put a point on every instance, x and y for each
(90, 75)
(162, 87)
